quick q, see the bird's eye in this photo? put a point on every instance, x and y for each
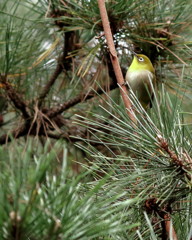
(141, 59)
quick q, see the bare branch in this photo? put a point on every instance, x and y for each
(169, 229)
(53, 115)
(63, 63)
(15, 97)
(52, 80)
(114, 59)
(154, 206)
(79, 98)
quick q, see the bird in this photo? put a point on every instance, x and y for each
(139, 75)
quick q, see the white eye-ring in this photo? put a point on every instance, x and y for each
(141, 59)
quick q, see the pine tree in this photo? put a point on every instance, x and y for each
(75, 164)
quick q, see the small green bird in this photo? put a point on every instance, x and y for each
(139, 75)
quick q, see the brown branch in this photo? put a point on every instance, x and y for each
(15, 97)
(164, 212)
(51, 113)
(64, 63)
(114, 59)
(168, 226)
(52, 80)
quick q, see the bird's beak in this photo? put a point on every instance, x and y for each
(134, 53)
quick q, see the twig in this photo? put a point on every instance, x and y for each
(114, 59)
(171, 52)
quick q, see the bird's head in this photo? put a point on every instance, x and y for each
(141, 62)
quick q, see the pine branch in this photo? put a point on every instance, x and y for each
(63, 63)
(114, 59)
(184, 165)
(15, 98)
(164, 212)
(79, 98)
(52, 80)
(168, 226)
(51, 116)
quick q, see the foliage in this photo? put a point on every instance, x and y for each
(73, 165)
(150, 159)
(39, 201)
